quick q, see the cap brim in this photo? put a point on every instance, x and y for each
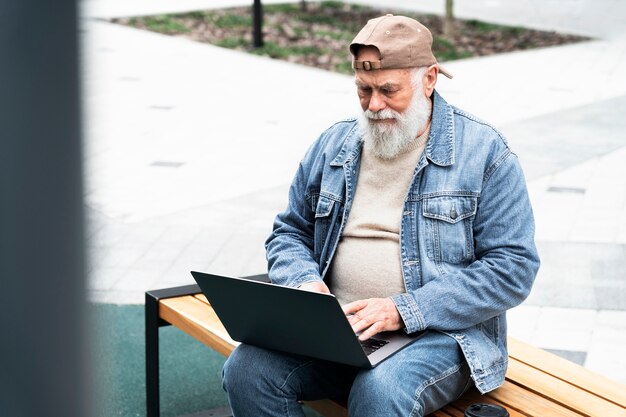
(444, 71)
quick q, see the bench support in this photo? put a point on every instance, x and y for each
(153, 323)
(152, 356)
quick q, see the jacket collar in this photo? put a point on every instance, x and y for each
(440, 147)
(351, 147)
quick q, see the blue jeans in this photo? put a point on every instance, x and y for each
(416, 381)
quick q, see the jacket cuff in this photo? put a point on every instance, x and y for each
(303, 280)
(410, 312)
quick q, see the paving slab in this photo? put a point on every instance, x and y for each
(589, 337)
(570, 139)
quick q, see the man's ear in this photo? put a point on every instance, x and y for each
(430, 79)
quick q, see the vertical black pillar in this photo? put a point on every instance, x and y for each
(153, 403)
(42, 355)
(257, 13)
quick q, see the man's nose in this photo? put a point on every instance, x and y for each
(377, 102)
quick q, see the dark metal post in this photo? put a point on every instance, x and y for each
(152, 324)
(152, 356)
(257, 12)
(43, 356)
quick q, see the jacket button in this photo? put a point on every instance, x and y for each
(453, 214)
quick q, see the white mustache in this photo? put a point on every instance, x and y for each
(381, 114)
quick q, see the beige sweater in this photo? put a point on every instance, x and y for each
(367, 263)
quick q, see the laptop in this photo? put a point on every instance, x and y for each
(294, 321)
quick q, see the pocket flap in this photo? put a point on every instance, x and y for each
(324, 206)
(451, 209)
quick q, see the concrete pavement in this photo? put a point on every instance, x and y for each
(190, 150)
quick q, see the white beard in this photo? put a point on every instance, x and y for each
(387, 140)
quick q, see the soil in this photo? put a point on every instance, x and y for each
(319, 35)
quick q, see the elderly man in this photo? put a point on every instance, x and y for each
(416, 216)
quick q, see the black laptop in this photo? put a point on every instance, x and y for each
(295, 321)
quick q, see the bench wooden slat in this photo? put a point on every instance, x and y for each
(567, 371)
(446, 412)
(528, 403)
(561, 391)
(194, 318)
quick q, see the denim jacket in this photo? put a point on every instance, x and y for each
(466, 236)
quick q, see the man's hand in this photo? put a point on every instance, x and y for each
(315, 286)
(372, 316)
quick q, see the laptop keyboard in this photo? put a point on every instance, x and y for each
(372, 345)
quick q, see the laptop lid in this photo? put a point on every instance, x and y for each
(291, 320)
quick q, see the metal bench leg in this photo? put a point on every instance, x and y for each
(152, 356)
(153, 322)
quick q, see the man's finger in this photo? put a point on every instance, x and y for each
(353, 319)
(371, 331)
(361, 325)
(354, 306)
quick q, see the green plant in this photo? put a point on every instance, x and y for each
(196, 15)
(232, 21)
(270, 49)
(282, 8)
(445, 50)
(359, 7)
(515, 30)
(481, 26)
(165, 23)
(300, 31)
(233, 43)
(492, 27)
(319, 18)
(332, 4)
(344, 67)
(340, 36)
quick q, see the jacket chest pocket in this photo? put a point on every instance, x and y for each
(327, 212)
(449, 220)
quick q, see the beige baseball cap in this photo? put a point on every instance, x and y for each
(402, 42)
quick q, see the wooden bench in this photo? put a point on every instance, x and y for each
(538, 383)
